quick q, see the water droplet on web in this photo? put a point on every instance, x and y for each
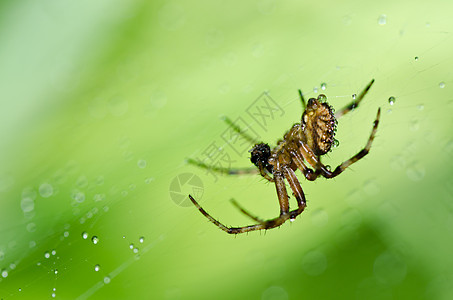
(97, 268)
(315, 89)
(371, 188)
(45, 190)
(322, 98)
(54, 252)
(314, 263)
(95, 239)
(106, 279)
(415, 172)
(4, 273)
(27, 204)
(135, 250)
(131, 246)
(382, 20)
(141, 239)
(354, 96)
(141, 163)
(442, 85)
(323, 86)
(319, 217)
(336, 143)
(55, 271)
(398, 162)
(46, 254)
(392, 100)
(271, 293)
(329, 168)
(416, 58)
(389, 268)
(84, 235)
(414, 125)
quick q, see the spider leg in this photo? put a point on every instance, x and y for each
(299, 161)
(338, 170)
(240, 131)
(272, 223)
(297, 192)
(354, 103)
(227, 171)
(245, 212)
(302, 100)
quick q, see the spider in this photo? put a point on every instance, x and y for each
(301, 148)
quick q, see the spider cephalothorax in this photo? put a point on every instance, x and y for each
(319, 125)
(260, 154)
(301, 148)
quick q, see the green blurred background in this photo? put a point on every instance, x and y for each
(102, 102)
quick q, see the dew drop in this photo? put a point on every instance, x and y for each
(97, 268)
(141, 163)
(45, 190)
(66, 234)
(95, 239)
(416, 172)
(336, 143)
(84, 235)
(131, 246)
(106, 279)
(99, 197)
(389, 268)
(416, 58)
(323, 86)
(314, 263)
(56, 271)
(414, 125)
(442, 85)
(141, 239)
(27, 204)
(354, 96)
(392, 100)
(78, 196)
(382, 20)
(370, 187)
(319, 217)
(53, 295)
(31, 227)
(46, 254)
(135, 250)
(322, 98)
(4, 273)
(54, 252)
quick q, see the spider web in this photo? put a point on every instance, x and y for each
(93, 141)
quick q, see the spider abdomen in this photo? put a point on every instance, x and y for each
(319, 126)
